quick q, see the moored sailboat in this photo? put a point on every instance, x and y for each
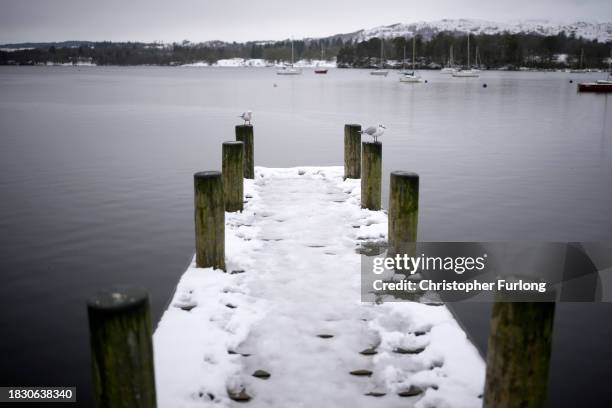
(319, 69)
(289, 70)
(412, 77)
(380, 71)
(468, 72)
(477, 62)
(601, 85)
(450, 68)
(404, 70)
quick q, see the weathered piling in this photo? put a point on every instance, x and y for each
(244, 134)
(371, 175)
(352, 151)
(209, 220)
(233, 175)
(518, 357)
(403, 212)
(121, 348)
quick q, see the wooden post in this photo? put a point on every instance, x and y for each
(233, 171)
(209, 220)
(371, 174)
(121, 348)
(352, 151)
(244, 134)
(403, 212)
(518, 357)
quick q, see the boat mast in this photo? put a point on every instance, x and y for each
(292, 52)
(468, 59)
(381, 52)
(413, 50)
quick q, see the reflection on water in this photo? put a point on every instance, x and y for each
(96, 166)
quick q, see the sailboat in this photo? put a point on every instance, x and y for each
(450, 69)
(477, 62)
(290, 70)
(412, 77)
(601, 85)
(380, 71)
(469, 72)
(404, 70)
(579, 70)
(318, 69)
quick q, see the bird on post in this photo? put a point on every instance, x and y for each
(374, 131)
(246, 116)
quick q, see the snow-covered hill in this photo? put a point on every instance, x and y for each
(589, 30)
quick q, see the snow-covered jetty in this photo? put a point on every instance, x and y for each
(279, 319)
(284, 325)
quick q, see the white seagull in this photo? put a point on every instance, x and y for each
(246, 116)
(374, 131)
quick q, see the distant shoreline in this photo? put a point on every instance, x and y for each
(521, 51)
(277, 66)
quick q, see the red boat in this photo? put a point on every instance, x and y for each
(320, 71)
(601, 86)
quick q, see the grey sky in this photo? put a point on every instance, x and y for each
(240, 20)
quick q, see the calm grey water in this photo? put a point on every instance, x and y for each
(96, 172)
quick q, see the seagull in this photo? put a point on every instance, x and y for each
(374, 131)
(246, 116)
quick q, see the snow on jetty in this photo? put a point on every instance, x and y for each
(285, 327)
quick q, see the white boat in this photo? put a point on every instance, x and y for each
(467, 73)
(289, 70)
(450, 69)
(380, 71)
(412, 77)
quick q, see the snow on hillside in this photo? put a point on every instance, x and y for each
(589, 30)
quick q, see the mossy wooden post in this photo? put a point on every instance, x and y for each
(403, 212)
(352, 151)
(371, 174)
(233, 175)
(518, 356)
(244, 134)
(121, 348)
(209, 220)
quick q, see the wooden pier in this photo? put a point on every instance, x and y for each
(270, 312)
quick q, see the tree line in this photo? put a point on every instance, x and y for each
(493, 51)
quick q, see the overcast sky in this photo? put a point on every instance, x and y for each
(241, 20)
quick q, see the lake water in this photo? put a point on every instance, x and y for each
(96, 185)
